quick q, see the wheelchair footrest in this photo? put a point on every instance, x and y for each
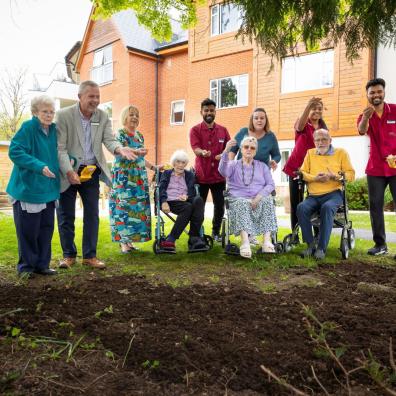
(204, 249)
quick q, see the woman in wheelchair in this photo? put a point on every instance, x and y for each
(251, 206)
(177, 195)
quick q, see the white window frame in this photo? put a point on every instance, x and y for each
(216, 13)
(102, 66)
(284, 178)
(297, 75)
(242, 100)
(104, 106)
(172, 112)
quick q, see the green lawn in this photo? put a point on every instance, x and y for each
(182, 268)
(362, 221)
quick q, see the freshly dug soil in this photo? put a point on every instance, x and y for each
(145, 339)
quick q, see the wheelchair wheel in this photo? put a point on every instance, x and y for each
(208, 240)
(351, 238)
(279, 247)
(288, 243)
(156, 246)
(344, 245)
(223, 232)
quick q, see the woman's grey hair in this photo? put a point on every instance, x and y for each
(179, 155)
(249, 139)
(85, 84)
(39, 101)
(125, 112)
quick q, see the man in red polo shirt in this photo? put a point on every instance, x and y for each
(378, 120)
(208, 140)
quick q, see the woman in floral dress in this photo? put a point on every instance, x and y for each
(129, 201)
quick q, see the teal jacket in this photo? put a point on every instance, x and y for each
(30, 151)
(268, 148)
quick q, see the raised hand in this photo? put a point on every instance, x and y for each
(230, 144)
(368, 112)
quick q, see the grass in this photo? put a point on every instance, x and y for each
(180, 269)
(362, 220)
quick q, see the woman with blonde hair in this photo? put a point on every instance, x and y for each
(129, 200)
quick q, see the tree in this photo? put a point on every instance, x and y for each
(12, 102)
(277, 26)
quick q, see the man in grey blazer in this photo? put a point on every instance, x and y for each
(82, 129)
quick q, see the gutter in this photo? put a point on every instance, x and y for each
(156, 110)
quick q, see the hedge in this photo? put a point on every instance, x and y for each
(357, 196)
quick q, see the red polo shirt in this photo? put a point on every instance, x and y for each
(303, 142)
(211, 139)
(382, 133)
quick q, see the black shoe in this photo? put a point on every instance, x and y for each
(378, 250)
(47, 271)
(196, 242)
(309, 251)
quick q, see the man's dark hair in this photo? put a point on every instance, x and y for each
(374, 82)
(208, 102)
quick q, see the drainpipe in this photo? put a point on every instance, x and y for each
(375, 61)
(156, 111)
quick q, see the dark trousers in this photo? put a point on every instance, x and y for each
(191, 211)
(34, 232)
(296, 197)
(327, 205)
(217, 190)
(376, 192)
(66, 213)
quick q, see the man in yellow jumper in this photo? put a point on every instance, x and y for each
(320, 171)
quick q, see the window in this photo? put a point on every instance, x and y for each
(230, 91)
(108, 108)
(307, 72)
(225, 18)
(102, 67)
(177, 112)
(285, 154)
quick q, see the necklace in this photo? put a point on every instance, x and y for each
(243, 174)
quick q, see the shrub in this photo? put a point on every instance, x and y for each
(357, 196)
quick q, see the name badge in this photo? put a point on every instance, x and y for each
(221, 140)
(94, 123)
(391, 122)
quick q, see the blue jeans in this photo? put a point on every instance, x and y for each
(326, 205)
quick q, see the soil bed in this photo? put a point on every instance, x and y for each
(145, 339)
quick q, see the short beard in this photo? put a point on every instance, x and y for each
(209, 119)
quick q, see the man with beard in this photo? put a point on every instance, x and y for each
(378, 120)
(208, 140)
(320, 171)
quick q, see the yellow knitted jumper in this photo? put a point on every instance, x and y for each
(314, 164)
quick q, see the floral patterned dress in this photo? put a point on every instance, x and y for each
(129, 201)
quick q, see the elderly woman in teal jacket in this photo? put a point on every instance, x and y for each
(34, 187)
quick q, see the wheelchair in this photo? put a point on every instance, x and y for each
(341, 220)
(160, 224)
(231, 248)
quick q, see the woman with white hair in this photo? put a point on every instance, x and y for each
(129, 199)
(250, 184)
(34, 187)
(177, 195)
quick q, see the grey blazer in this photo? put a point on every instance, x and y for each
(71, 141)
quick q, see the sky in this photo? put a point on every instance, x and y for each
(39, 33)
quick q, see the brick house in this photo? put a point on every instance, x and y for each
(167, 82)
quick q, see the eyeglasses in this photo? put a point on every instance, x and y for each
(246, 147)
(47, 112)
